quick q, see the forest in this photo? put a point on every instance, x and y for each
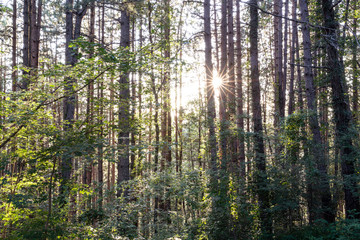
(179, 119)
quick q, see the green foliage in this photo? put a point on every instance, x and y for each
(341, 230)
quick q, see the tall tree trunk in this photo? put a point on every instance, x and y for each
(320, 194)
(101, 113)
(278, 36)
(14, 41)
(69, 101)
(133, 167)
(68, 104)
(223, 91)
(87, 176)
(216, 37)
(35, 25)
(342, 113)
(216, 211)
(260, 159)
(124, 108)
(26, 36)
(156, 114)
(234, 164)
(291, 107)
(298, 69)
(31, 40)
(355, 68)
(239, 94)
(285, 64)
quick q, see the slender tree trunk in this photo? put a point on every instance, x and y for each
(14, 41)
(133, 171)
(278, 36)
(68, 104)
(87, 176)
(156, 116)
(35, 25)
(216, 37)
(342, 113)
(239, 94)
(291, 108)
(321, 192)
(260, 159)
(101, 114)
(355, 68)
(234, 164)
(299, 80)
(285, 64)
(223, 91)
(124, 108)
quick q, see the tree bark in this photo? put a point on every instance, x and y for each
(278, 36)
(239, 94)
(291, 108)
(321, 191)
(69, 101)
(342, 113)
(14, 41)
(260, 159)
(285, 64)
(223, 91)
(355, 68)
(234, 164)
(124, 107)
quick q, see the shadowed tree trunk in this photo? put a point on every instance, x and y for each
(31, 40)
(124, 107)
(355, 68)
(291, 107)
(343, 120)
(223, 91)
(14, 41)
(234, 164)
(278, 55)
(69, 101)
(260, 177)
(239, 88)
(319, 202)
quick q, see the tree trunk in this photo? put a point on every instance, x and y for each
(216, 37)
(14, 41)
(260, 159)
(35, 25)
(68, 104)
(291, 108)
(278, 35)
(69, 101)
(342, 113)
(239, 94)
(223, 91)
(234, 164)
(321, 192)
(285, 64)
(355, 69)
(124, 108)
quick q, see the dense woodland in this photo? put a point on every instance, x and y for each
(182, 119)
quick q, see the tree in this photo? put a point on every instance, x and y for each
(239, 92)
(260, 159)
(69, 102)
(316, 147)
(124, 107)
(342, 113)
